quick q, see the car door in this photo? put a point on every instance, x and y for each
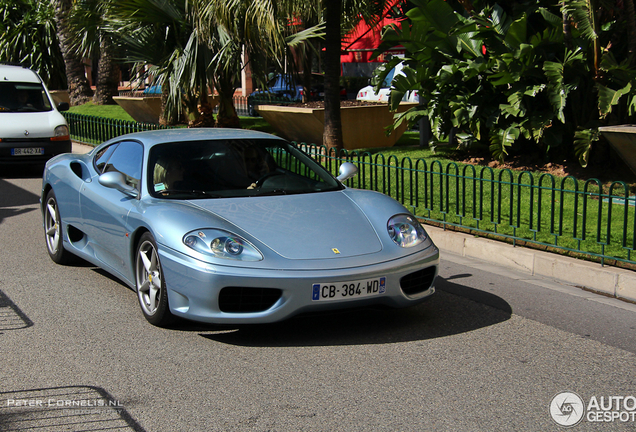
(105, 210)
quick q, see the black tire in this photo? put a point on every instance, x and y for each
(150, 284)
(53, 233)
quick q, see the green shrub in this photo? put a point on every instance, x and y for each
(510, 79)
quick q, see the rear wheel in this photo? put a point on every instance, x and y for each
(151, 287)
(53, 230)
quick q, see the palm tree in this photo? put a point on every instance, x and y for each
(28, 36)
(78, 87)
(162, 36)
(340, 16)
(630, 17)
(332, 134)
(92, 36)
(261, 26)
(258, 29)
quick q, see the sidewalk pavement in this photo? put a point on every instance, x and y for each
(610, 281)
(81, 148)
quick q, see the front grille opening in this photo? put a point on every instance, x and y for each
(246, 300)
(418, 281)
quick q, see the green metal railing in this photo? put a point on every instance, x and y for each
(584, 218)
(96, 130)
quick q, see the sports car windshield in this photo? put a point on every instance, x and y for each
(234, 168)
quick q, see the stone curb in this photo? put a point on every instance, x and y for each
(611, 281)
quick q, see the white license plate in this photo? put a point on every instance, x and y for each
(348, 290)
(27, 151)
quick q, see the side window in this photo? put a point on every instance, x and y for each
(127, 159)
(102, 157)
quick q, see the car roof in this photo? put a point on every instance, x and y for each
(18, 74)
(194, 134)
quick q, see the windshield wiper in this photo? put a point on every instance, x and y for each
(273, 192)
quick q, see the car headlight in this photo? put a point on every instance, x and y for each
(60, 133)
(221, 244)
(405, 230)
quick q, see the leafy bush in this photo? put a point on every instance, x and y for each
(515, 79)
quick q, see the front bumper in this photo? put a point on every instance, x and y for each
(51, 148)
(194, 287)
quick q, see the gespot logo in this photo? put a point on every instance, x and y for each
(567, 409)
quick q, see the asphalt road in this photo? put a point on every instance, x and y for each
(487, 353)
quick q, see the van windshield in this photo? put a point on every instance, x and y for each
(23, 97)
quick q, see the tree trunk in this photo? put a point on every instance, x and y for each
(226, 116)
(166, 118)
(567, 31)
(630, 15)
(467, 5)
(332, 133)
(107, 74)
(79, 90)
(307, 62)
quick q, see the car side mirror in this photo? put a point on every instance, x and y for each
(347, 170)
(116, 180)
(63, 106)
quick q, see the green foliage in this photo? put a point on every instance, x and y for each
(509, 78)
(28, 36)
(583, 140)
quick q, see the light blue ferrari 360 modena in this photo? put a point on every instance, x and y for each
(232, 226)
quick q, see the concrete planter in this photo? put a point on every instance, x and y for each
(147, 109)
(623, 139)
(142, 109)
(362, 126)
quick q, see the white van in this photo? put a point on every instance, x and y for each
(32, 130)
(368, 94)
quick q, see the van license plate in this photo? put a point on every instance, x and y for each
(27, 151)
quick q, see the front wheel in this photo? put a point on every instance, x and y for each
(53, 230)
(151, 287)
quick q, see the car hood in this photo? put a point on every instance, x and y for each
(38, 124)
(300, 227)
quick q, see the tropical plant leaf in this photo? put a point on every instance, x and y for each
(607, 98)
(551, 18)
(469, 44)
(583, 140)
(579, 11)
(556, 90)
(631, 105)
(517, 33)
(501, 139)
